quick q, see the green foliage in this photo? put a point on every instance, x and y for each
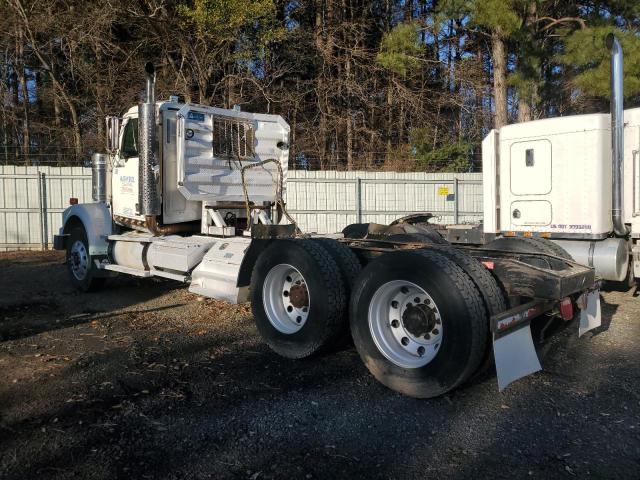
(449, 154)
(400, 49)
(351, 93)
(226, 15)
(228, 20)
(586, 52)
(495, 15)
(526, 78)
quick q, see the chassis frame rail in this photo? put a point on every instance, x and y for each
(517, 272)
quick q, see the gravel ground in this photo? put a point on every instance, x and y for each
(145, 380)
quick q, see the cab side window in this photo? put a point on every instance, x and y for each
(130, 139)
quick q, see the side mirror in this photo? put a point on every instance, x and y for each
(113, 134)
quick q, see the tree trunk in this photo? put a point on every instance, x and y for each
(349, 115)
(75, 123)
(525, 113)
(318, 34)
(349, 141)
(20, 67)
(389, 126)
(77, 137)
(372, 128)
(525, 102)
(499, 59)
(408, 10)
(57, 117)
(4, 91)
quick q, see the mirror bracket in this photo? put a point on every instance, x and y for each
(113, 133)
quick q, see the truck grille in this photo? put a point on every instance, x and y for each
(232, 138)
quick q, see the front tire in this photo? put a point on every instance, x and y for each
(80, 264)
(418, 322)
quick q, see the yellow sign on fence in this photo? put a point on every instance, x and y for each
(443, 191)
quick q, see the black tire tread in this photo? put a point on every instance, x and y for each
(552, 248)
(538, 245)
(344, 257)
(336, 299)
(493, 296)
(336, 295)
(475, 305)
(350, 267)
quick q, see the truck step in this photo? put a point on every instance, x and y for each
(128, 270)
(138, 237)
(170, 275)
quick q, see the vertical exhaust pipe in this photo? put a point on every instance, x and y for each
(148, 168)
(617, 134)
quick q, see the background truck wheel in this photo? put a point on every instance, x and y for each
(528, 245)
(418, 322)
(298, 298)
(80, 264)
(532, 245)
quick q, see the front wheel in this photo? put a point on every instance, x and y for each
(80, 265)
(418, 322)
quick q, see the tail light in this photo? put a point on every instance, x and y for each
(488, 264)
(566, 309)
(73, 201)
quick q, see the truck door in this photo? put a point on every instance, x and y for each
(125, 172)
(530, 182)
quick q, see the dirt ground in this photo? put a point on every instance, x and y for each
(145, 380)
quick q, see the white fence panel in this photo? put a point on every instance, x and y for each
(33, 198)
(327, 201)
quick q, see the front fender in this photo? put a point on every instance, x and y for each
(96, 220)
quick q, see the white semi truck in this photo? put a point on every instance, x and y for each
(194, 193)
(575, 180)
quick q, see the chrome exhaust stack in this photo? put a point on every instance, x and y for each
(617, 134)
(148, 168)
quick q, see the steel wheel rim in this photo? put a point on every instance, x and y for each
(79, 260)
(405, 324)
(286, 299)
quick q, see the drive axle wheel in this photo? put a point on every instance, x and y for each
(298, 298)
(405, 324)
(286, 298)
(418, 322)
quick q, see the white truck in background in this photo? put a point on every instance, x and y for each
(575, 180)
(194, 193)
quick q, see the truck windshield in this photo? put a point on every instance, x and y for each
(130, 139)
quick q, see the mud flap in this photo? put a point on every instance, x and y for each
(515, 356)
(590, 312)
